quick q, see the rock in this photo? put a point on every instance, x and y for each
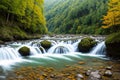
(109, 68)
(112, 43)
(2, 77)
(1, 71)
(24, 51)
(94, 75)
(45, 44)
(88, 72)
(108, 73)
(1, 42)
(81, 63)
(80, 76)
(86, 44)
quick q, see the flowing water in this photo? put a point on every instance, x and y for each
(62, 55)
(64, 51)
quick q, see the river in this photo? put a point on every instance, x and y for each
(61, 55)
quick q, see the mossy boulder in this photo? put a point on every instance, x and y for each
(24, 51)
(45, 44)
(1, 42)
(113, 45)
(86, 44)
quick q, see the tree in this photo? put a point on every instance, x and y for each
(112, 19)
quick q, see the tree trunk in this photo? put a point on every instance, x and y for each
(8, 15)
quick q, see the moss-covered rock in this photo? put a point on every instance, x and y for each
(113, 45)
(45, 44)
(86, 44)
(1, 42)
(24, 51)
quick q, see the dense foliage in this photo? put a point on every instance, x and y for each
(24, 16)
(76, 16)
(112, 19)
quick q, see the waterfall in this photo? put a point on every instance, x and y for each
(61, 48)
(75, 45)
(58, 47)
(8, 53)
(99, 49)
(35, 50)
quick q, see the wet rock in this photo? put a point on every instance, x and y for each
(2, 77)
(86, 44)
(112, 43)
(109, 68)
(94, 75)
(1, 71)
(80, 76)
(88, 72)
(81, 63)
(24, 51)
(108, 73)
(46, 44)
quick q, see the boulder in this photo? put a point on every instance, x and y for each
(86, 44)
(45, 44)
(113, 45)
(24, 51)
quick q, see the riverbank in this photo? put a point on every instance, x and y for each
(109, 71)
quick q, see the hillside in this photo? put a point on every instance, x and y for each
(75, 16)
(20, 18)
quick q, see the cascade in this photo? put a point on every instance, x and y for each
(58, 47)
(99, 49)
(35, 50)
(8, 53)
(61, 48)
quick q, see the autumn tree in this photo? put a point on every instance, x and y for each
(112, 19)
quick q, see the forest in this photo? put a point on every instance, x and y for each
(21, 18)
(77, 17)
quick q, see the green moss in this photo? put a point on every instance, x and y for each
(45, 44)
(86, 44)
(11, 33)
(24, 51)
(113, 45)
(1, 42)
(113, 38)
